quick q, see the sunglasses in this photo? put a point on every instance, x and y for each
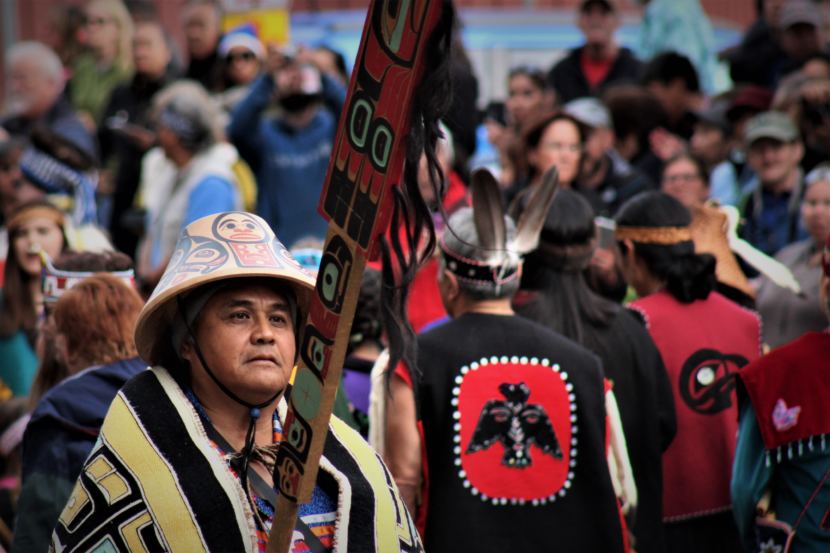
(247, 56)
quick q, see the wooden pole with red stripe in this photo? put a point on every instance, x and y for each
(367, 161)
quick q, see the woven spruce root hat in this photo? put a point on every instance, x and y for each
(215, 248)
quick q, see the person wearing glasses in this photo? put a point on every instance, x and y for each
(554, 140)
(771, 201)
(686, 179)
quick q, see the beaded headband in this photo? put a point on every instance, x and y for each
(664, 236)
(477, 272)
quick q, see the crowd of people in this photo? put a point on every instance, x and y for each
(620, 334)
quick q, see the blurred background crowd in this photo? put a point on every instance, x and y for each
(128, 119)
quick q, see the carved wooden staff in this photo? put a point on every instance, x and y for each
(367, 161)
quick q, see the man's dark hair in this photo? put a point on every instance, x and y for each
(634, 111)
(667, 67)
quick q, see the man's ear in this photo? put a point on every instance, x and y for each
(798, 151)
(186, 350)
(628, 249)
(451, 283)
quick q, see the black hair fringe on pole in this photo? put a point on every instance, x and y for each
(411, 218)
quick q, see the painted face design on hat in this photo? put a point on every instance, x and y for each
(247, 238)
(195, 255)
(285, 256)
(239, 227)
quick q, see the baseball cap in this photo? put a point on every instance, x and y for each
(589, 111)
(771, 124)
(795, 12)
(750, 99)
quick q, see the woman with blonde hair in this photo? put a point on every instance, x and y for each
(108, 61)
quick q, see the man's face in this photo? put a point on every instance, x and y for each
(683, 181)
(247, 338)
(672, 96)
(597, 144)
(31, 90)
(597, 25)
(150, 52)
(202, 30)
(774, 161)
(800, 41)
(709, 143)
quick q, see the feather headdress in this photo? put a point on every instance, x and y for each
(498, 257)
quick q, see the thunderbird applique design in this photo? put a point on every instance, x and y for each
(516, 424)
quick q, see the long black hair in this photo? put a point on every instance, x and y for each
(688, 276)
(402, 253)
(563, 301)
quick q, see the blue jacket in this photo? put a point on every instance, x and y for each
(290, 164)
(57, 441)
(772, 221)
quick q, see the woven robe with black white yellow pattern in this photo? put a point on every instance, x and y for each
(153, 482)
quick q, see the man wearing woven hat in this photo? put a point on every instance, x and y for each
(186, 454)
(771, 203)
